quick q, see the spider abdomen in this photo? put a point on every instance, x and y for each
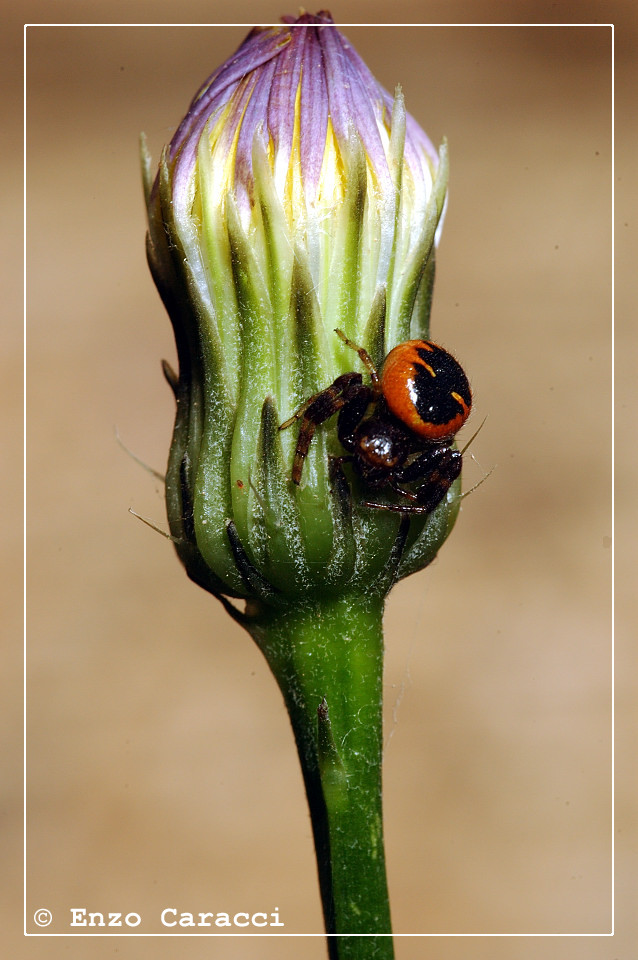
(426, 388)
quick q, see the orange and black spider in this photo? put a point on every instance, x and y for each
(399, 429)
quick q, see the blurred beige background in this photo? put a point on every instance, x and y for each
(161, 768)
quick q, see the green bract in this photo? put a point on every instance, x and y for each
(297, 196)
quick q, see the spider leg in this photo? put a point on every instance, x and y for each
(352, 413)
(443, 470)
(408, 494)
(396, 507)
(438, 467)
(364, 356)
(318, 409)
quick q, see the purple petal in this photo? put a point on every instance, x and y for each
(306, 57)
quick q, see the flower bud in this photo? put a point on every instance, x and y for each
(297, 196)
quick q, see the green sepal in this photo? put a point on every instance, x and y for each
(216, 247)
(395, 163)
(374, 336)
(404, 297)
(434, 533)
(390, 571)
(341, 565)
(276, 235)
(311, 341)
(420, 323)
(277, 540)
(257, 585)
(197, 484)
(344, 274)
(316, 517)
(258, 367)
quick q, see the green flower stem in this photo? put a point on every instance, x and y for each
(327, 657)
